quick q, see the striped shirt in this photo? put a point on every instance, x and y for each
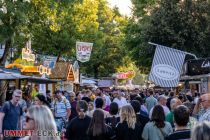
(60, 107)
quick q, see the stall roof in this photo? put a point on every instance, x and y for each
(41, 80)
(194, 77)
(5, 75)
(11, 76)
(63, 71)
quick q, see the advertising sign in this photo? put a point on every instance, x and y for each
(27, 52)
(125, 75)
(197, 67)
(47, 61)
(83, 50)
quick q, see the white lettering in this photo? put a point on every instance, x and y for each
(205, 64)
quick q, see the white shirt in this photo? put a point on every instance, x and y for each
(121, 102)
(108, 101)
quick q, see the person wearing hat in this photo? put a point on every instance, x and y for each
(61, 109)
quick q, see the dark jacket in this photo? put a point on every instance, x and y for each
(142, 119)
(108, 135)
(179, 135)
(112, 121)
(77, 129)
(125, 133)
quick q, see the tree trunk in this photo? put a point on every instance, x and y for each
(95, 72)
(58, 58)
(3, 90)
(3, 83)
(6, 52)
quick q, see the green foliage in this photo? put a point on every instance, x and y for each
(183, 25)
(108, 49)
(55, 26)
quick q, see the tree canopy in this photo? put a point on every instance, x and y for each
(55, 26)
(180, 24)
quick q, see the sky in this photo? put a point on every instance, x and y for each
(123, 6)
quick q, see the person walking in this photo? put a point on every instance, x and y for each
(150, 101)
(114, 117)
(181, 119)
(61, 109)
(204, 112)
(140, 118)
(128, 128)
(161, 101)
(98, 130)
(77, 127)
(201, 131)
(39, 118)
(157, 128)
(10, 114)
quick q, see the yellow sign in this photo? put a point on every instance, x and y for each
(44, 70)
(27, 54)
(33, 69)
(26, 66)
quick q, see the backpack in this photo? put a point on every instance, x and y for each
(55, 108)
(9, 107)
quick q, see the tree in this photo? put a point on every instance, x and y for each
(108, 49)
(55, 32)
(135, 33)
(13, 15)
(181, 24)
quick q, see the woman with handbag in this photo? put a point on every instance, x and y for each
(157, 128)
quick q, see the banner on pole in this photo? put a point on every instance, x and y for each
(83, 50)
(166, 67)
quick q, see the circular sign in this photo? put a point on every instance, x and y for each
(165, 72)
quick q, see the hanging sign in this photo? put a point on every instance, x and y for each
(27, 53)
(47, 61)
(197, 67)
(125, 75)
(2, 48)
(83, 50)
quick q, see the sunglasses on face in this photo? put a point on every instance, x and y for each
(17, 96)
(28, 118)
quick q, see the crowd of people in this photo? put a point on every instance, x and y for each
(110, 115)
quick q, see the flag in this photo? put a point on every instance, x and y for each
(166, 66)
(83, 50)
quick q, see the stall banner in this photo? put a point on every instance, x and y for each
(27, 53)
(47, 61)
(83, 50)
(2, 48)
(166, 67)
